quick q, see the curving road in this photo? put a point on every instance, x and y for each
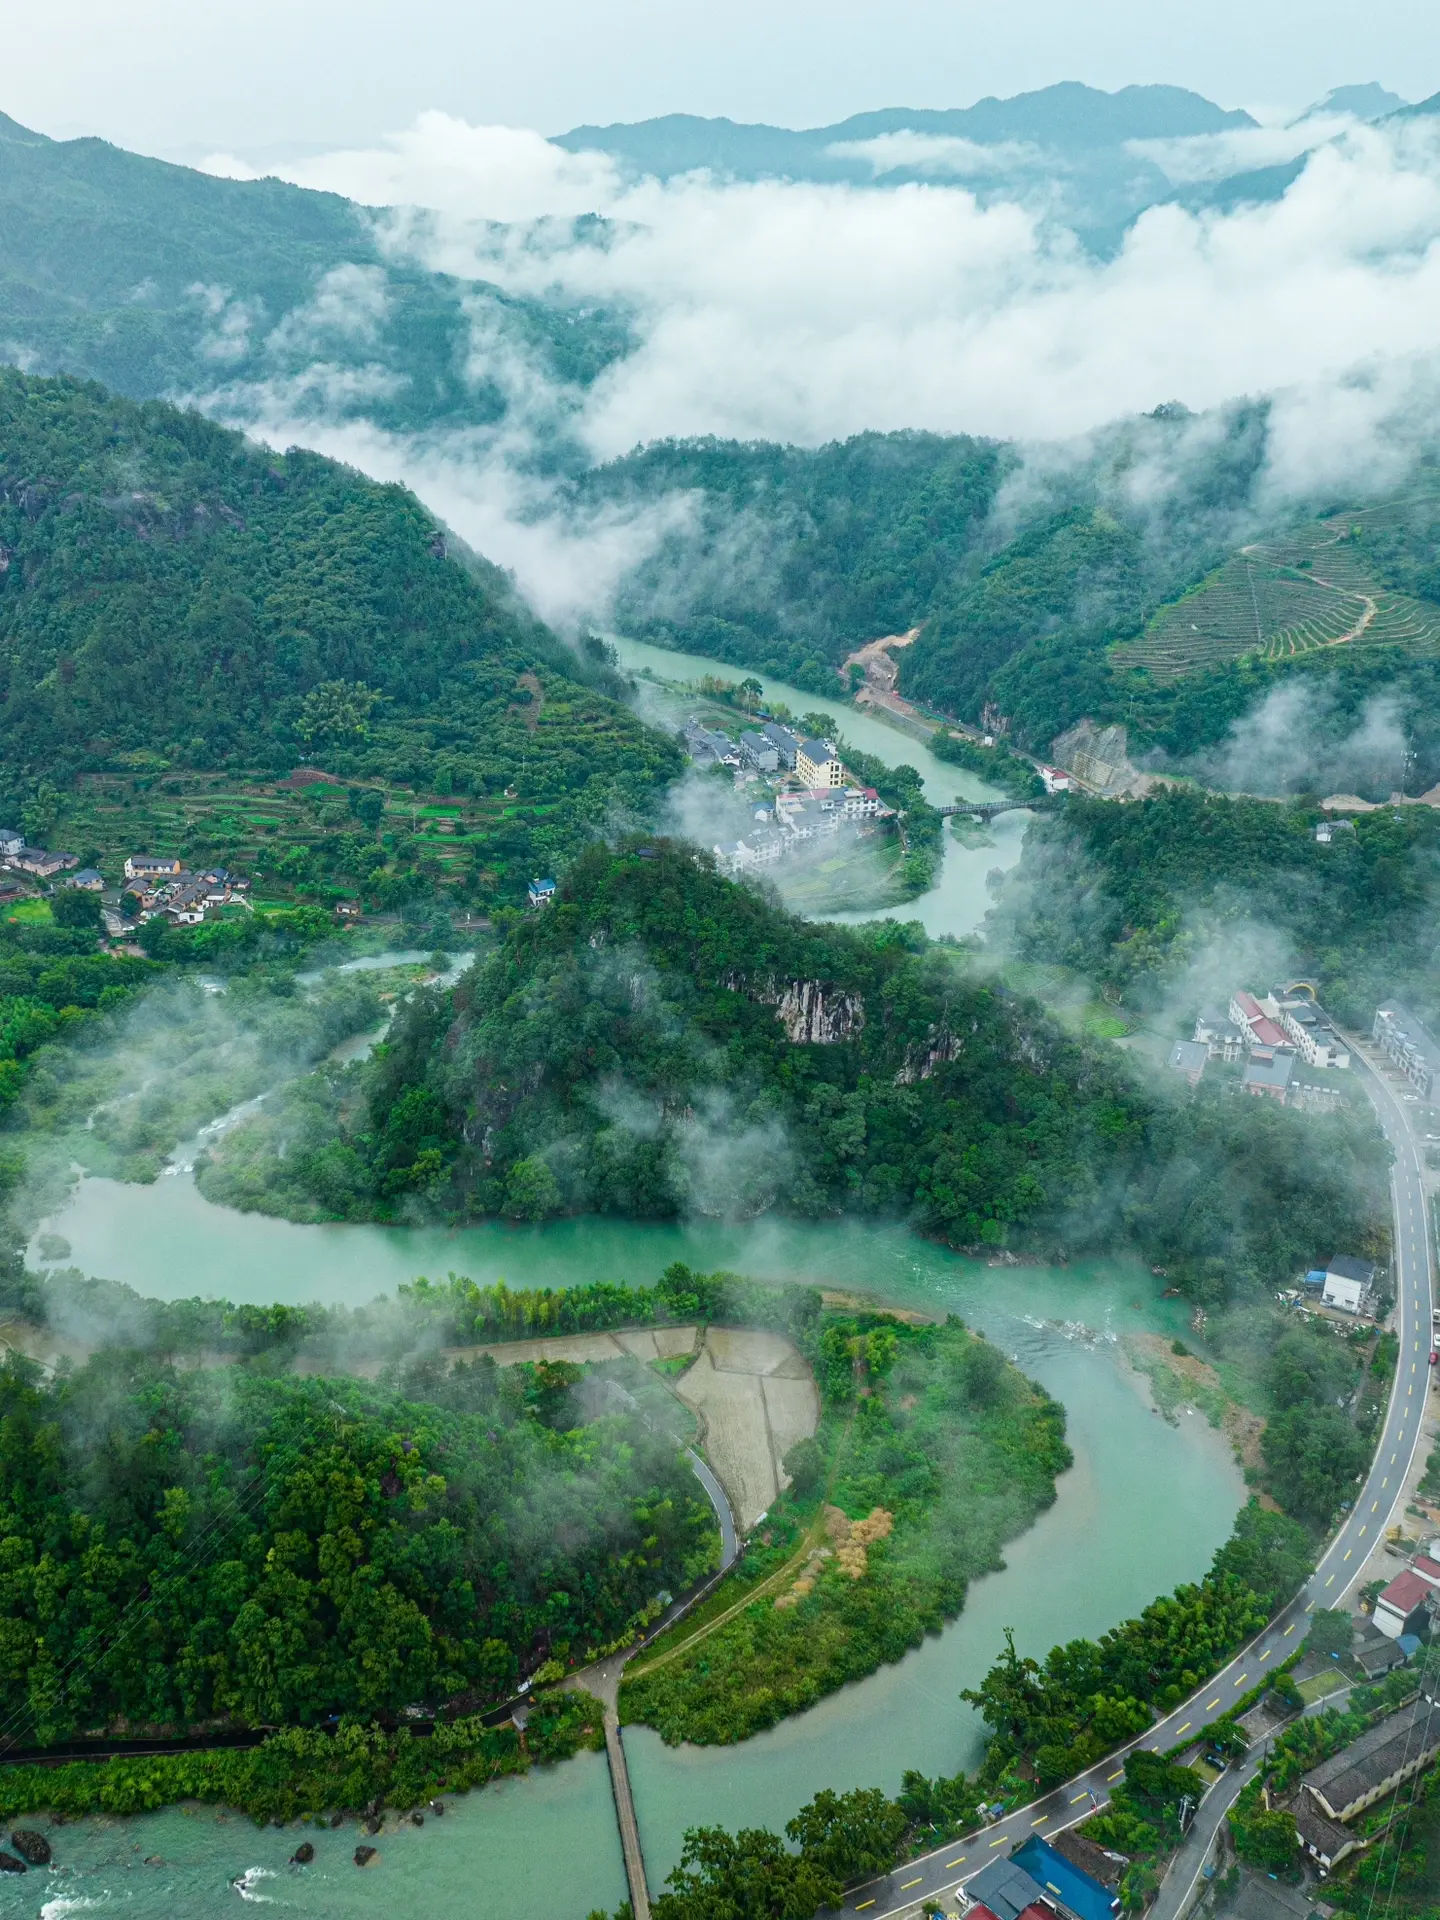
(942, 1873)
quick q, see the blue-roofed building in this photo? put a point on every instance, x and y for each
(1077, 1892)
(541, 892)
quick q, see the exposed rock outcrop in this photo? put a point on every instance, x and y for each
(1101, 758)
(815, 1015)
(938, 1050)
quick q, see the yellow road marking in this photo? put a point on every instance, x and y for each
(1041, 1821)
(1331, 1581)
(1383, 1484)
(1288, 1631)
(863, 1904)
(1113, 1776)
(1373, 1505)
(1363, 1532)
(911, 1883)
(1348, 1552)
(1243, 1678)
(1184, 1729)
(1267, 1653)
(1212, 1703)
(998, 1843)
(959, 1860)
(1078, 1798)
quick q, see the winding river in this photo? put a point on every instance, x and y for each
(1144, 1507)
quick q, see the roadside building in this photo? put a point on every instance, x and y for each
(1407, 1605)
(1268, 1073)
(1054, 779)
(1064, 1885)
(1329, 830)
(11, 841)
(1318, 1043)
(1348, 1282)
(818, 765)
(1402, 1744)
(540, 892)
(759, 752)
(1190, 1058)
(1324, 1839)
(1408, 1044)
(1006, 1892)
(87, 879)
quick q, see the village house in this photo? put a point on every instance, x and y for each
(1220, 1036)
(1256, 1027)
(88, 879)
(1190, 1058)
(1406, 1606)
(818, 765)
(43, 865)
(785, 743)
(757, 751)
(11, 841)
(1402, 1744)
(540, 892)
(703, 745)
(145, 866)
(1268, 1073)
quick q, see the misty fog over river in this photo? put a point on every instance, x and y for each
(1144, 1507)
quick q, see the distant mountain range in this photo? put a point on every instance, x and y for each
(1087, 156)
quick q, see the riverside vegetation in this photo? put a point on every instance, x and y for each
(928, 1428)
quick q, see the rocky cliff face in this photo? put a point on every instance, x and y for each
(1101, 758)
(921, 1062)
(814, 1015)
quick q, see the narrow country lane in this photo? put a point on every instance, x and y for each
(944, 1872)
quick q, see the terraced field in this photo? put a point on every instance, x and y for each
(1312, 589)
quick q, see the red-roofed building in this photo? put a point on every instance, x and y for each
(1253, 1021)
(1427, 1568)
(1405, 1605)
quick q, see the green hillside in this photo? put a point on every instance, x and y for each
(1321, 586)
(176, 603)
(161, 280)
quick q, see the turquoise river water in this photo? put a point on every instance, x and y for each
(1144, 1507)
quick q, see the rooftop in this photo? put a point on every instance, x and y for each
(1270, 1068)
(1081, 1892)
(1346, 1267)
(1005, 1889)
(1406, 1591)
(1379, 1753)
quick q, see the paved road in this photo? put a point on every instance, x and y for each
(729, 1544)
(943, 1872)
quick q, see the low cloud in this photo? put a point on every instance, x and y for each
(942, 155)
(1297, 741)
(805, 312)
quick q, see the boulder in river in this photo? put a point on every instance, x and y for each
(417, 1819)
(9, 1864)
(303, 1854)
(337, 1819)
(364, 1855)
(437, 1807)
(31, 1846)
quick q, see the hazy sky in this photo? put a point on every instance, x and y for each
(166, 75)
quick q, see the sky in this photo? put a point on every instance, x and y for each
(171, 78)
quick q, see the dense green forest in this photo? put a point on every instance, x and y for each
(929, 1427)
(187, 1547)
(170, 593)
(1130, 895)
(159, 279)
(663, 1041)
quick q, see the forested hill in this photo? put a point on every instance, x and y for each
(662, 1042)
(168, 589)
(1048, 596)
(160, 279)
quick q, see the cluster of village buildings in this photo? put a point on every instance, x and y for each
(813, 799)
(154, 884)
(1274, 1037)
(158, 885)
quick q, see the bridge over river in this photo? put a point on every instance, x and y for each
(987, 809)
